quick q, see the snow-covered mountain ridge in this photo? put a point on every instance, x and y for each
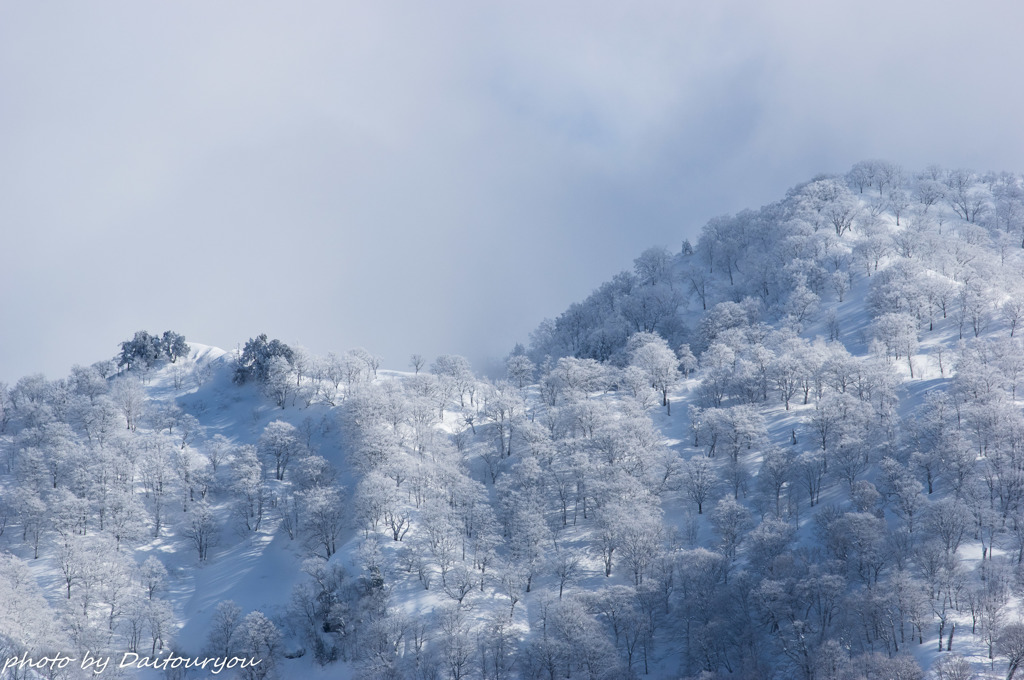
(792, 449)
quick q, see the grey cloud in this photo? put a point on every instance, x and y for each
(438, 178)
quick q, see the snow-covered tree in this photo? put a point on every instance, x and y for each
(280, 443)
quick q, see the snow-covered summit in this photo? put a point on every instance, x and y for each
(791, 449)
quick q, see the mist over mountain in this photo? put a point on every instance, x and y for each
(789, 448)
(409, 179)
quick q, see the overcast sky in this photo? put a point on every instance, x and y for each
(435, 177)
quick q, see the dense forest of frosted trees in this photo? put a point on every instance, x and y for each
(791, 449)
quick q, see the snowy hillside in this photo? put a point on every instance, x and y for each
(792, 449)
